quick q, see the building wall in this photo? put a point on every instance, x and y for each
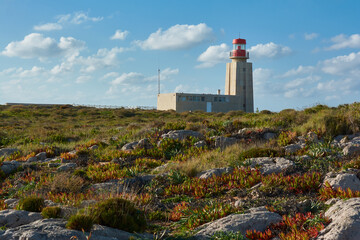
(192, 102)
(166, 101)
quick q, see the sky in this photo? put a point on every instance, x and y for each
(108, 52)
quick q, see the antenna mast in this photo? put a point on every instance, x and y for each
(158, 80)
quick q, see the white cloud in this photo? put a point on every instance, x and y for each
(182, 88)
(35, 45)
(48, 27)
(214, 55)
(269, 50)
(129, 78)
(120, 35)
(110, 75)
(340, 87)
(136, 82)
(177, 37)
(77, 18)
(301, 82)
(139, 78)
(102, 59)
(83, 79)
(164, 74)
(263, 83)
(342, 41)
(21, 73)
(310, 36)
(299, 71)
(74, 18)
(343, 65)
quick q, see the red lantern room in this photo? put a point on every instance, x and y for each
(239, 49)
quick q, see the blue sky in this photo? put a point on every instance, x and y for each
(108, 52)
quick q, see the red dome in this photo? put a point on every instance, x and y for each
(239, 41)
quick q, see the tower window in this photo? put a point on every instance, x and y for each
(244, 69)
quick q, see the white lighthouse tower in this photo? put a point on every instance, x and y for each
(239, 80)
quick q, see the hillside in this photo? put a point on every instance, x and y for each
(146, 174)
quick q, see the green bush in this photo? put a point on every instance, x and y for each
(260, 152)
(80, 222)
(51, 212)
(31, 204)
(118, 213)
(171, 147)
(228, 236)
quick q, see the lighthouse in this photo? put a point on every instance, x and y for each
(238, 89)
(239, 80)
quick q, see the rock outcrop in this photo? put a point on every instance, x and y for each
(269, 165)
(345, 225)
(182, 134)
(215, 172)
(49, 229)
(343, 180)
(255, 219)
(11, 218)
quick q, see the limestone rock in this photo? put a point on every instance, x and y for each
(32, 159)
(269, 135)
(11, 218)
(10, 167)
(93, 147)
(351, 149)
(312, 137)
(66, 167)
(182, 134)
(271, 165)
(4, 152)
(129, 146)
(41, 156)
(292, 148)
(200, 144)
(216, 171)
(144, 143)
(53, 164)
(49, 229)
(343, 180)
(11, 202)
(257, 218)
(129, 185)
(224, 142)
(345, 216)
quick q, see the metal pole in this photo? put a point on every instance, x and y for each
(158, 80)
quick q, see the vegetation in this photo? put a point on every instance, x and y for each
(176, 201)
(80, 222)
(51, 212)
(118, 213)
(31, 204)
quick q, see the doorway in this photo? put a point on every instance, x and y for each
(208, 106)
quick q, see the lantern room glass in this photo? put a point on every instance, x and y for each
(239, 46)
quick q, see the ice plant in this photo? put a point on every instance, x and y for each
(328, 192)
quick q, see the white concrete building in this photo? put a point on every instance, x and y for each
(238, 89)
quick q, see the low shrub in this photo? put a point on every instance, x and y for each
(31, 204)
(80, 222)
(66, 182)
(228, 236)
(260, 152)
(286, 138)
(51, 212)
(119, 213)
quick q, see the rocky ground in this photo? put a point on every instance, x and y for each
(275, 184)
